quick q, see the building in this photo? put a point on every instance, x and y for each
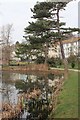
(71, 46)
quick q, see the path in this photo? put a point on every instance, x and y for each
(76, 70)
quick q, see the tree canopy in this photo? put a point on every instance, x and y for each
(46, 30)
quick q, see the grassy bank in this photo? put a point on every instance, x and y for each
(68, 98)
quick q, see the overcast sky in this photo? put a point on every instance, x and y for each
(17, 12)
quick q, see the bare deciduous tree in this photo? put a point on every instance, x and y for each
(5, 42)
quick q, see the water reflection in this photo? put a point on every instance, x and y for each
(33, 92)
(37, 93)
(9, 92)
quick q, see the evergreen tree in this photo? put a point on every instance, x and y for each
(48, 29)
(39, 33)
(22, 51)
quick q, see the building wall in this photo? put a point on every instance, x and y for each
(70, 47)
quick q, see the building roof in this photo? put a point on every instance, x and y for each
(71, 40)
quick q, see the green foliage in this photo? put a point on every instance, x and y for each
(40, 59)
(22, 51)
(54, 62)
(45, 31)
(20, 85)
(51, 76)
(72, 60)
(73, 65)
(41, 9)
(51, 62)
(24, 85)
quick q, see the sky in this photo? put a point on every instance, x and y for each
(17, 12)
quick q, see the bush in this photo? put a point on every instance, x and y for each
(72, 60)
(72, 64)
(54, 62)
(40, 60)
(51, 62)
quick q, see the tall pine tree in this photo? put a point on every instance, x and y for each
(48, 29)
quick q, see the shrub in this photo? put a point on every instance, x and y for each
(72, 64)
(54, 62)
(72, 60)
(51, 62)
(40, 60)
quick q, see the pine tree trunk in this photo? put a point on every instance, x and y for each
(65, 62)
(61, 47)
(65, 68)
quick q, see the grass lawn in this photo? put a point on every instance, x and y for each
(68, 98)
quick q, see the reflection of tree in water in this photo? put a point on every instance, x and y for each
(6, 87)
(39, 106)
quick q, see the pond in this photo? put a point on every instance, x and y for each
(35, 91)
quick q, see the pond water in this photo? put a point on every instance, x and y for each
(37, 105)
